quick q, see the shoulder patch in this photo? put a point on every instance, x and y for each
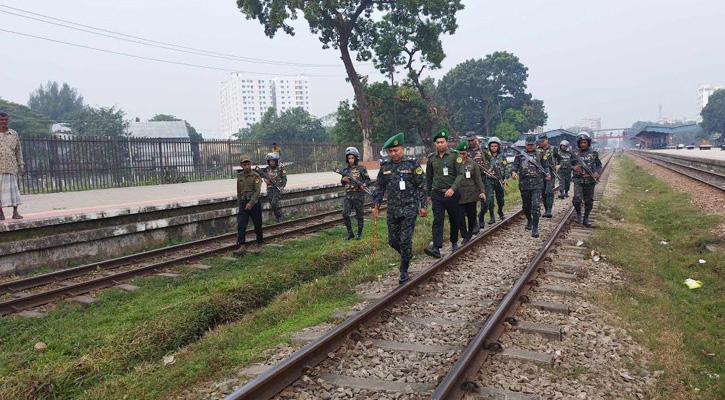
(459, 160)
(257, 180)
(419, 170)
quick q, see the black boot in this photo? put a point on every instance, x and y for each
(528, 224)
(482, 219)
(586, 222)
(500, 212)
(548, 205)
(475, 229)
(433, 251)
(348, 225)
(535, 229)
(403, 272)
(491, 220)
(466, 240)
(454, 247)
(578, 209)
(360, 224)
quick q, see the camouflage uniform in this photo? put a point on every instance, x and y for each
(564, 160)
(273, 194)
(583, 182)
(531, 184)
(478, 156)
(550, 158)
(354, 196)
(403, 204)
(249, 187)
(496, 163)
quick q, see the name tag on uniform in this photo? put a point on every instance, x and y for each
(445, 171)
(468, 174)
(402, 185)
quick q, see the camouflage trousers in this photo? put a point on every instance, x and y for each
(531, 199)
(353, 201)
(494, 191)
(583, 193)
(548, 195)
(400, 234)
(565, 182)
(274, 199)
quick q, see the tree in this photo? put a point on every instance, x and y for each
(344, 25)
(24, 120)
(193, 134)
(294, 125)
(507, 130)
(55, 101)
(713, 114)
(102, 121)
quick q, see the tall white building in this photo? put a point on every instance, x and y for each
(244, 100)
(703, 95)
(592, 124)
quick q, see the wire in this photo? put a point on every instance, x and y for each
(164, 61)
(158, 44)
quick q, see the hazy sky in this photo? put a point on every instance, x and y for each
(612, 59)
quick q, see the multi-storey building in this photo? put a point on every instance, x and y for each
(592, 124)
(703, 95)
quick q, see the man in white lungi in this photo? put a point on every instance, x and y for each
(11, 163)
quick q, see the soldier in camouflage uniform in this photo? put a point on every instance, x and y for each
(550, 157)
(472, 190)
(354, 194)
(249, 188)
(276, 172)
(476, 153)
(584, 182)
(531, 182)
(564, 169)
(496, 162)
(402, 181)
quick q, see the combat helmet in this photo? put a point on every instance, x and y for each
(564, 143)
(494, 139)
(583, 136)
(354, 152)
(272, 156)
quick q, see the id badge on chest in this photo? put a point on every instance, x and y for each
(468, 174)
(402, 184)
(445, 171)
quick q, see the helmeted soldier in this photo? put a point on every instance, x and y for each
(563, 168)
(472, 190)
(586, 167)
(476, 153)
(532, 171)
(354, 193)
(402, 181)
(550, 158)
(249, 188)
(276, 172)
(443, 175)
(496, 162)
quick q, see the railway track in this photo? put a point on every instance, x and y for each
(38, 290)
(710, 178)
(429, 337)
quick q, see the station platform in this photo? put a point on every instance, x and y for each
(714, 154)
(45, 209)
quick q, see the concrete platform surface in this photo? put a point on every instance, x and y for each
(714, 154)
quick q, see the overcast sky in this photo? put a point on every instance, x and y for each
(614, 59)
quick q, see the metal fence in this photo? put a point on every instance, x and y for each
(59, 164)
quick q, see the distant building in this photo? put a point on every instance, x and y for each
(159, 129)
(703, 95)
(173, 152)
(659, 137)
(245, 100)
(592, 124)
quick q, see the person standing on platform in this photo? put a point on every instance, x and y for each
(496, 163)
(249, 188)
(586, 167)
(401, 181)
(550, 158)
(443, 174)
(354, 193)
(528, 167)
(276, 172)
(472, 190)
(276, 149)
(11, 164)
(564, 169)
(476, 153)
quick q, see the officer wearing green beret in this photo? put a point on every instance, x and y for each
(249, 187)
(443, 174)
(472, 190)
(401, 180)
(533, 171)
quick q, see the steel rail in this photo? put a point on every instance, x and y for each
(38, 299)
(662, 163)
(280, 376)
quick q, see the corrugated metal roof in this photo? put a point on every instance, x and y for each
(159, 129)
(689, 128)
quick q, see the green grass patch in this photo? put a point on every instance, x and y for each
(682, 327)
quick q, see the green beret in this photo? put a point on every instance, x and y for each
(245, 158)
(543, 136)
(531, 139)
(443, 133)
(462, 146)
(395, 141)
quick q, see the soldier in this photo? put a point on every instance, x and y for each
(476, 154)
(354, 194)
(496, 162)
(529, 169)
(249, 187)
(564, 169)
(403, 182)
(276, 172)
(586, 167)
(443, 175)
(472, 190)
(550, 158)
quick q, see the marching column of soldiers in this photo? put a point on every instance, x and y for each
(454, 182)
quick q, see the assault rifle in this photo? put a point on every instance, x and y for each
(266, 176)
(531, 160)
(496, 167)
(588, 170)
(356, 182)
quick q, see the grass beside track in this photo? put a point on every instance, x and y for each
(683, 328)
(213, 321)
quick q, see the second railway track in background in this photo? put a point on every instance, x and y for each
(430, 335)
(710, 178)
(38, 290)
